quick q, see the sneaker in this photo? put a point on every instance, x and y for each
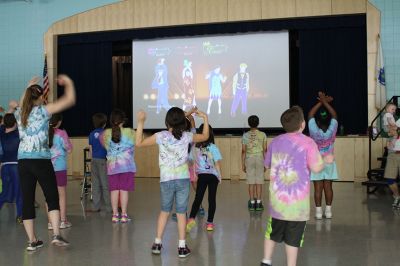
(328, 213)
(249, 204)
(396, 202)
(65, 224)
(125, 218)
(210, 227)
(183, 252)
(252, 206)
(59, 241)
(32, 246)
(19, 220)
(49, 226)
(156, 248)
(201, 211)
(115, 218)
(259, 206)
(190, 224)
(265, 264)
(318, 213)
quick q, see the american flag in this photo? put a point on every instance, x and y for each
(46, 87)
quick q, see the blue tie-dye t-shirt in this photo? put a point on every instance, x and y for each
(205, 159)
(120, 156)
(34, 138)
(61, 147)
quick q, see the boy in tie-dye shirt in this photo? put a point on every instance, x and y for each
(290, 157)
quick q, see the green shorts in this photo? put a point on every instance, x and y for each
(289, 232)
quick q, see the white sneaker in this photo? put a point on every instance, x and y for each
(396, 202)
(65, 224)
(328, 212)
(318, 213)
(49, 226)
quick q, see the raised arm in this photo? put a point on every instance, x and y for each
(65, 101)
(12, 106)
(314, 110)
(325, 100)
(205, 134)
(140, 141)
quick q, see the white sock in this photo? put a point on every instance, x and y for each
(258, 201)
(267, 261)
(327, 208)
(318, 209)
(182, 243)
(157, 241)
(252, 201)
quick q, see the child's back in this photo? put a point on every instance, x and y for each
(324, 139)
(120, 155)
(59, 150)
(290, 156)
(98, 151)
(173, 155)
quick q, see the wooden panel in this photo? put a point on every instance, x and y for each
(376, 151)
(68, 25)
(244, 10)
(344, 156)
(278, 8)
(372, 112)
(349, 6)
(360, 158)
(119, 15)
(148, 13)
(146, 159)
(178, 12)
(75, 160)
(211, 11)
(236, 158)
(371, 73)
(225, 149)
(305, 8)
(92, 20)
(373, 27)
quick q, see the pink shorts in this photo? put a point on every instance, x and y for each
(122, 181)
(61, 177)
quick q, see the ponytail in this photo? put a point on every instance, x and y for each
(115, 133)
(117, 117)
(52, 124)
(32, 93)
(177, 133)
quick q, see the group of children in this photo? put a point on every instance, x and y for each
(185, 155)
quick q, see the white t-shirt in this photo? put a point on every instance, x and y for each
(173, 155)
(387, 118)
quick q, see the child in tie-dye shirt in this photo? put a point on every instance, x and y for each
(323, 126)
(174, 171)
(207, 158)
(60, 146)
(290, 157)
(120, 145)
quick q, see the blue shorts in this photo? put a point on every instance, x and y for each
(328, 173)
(177, 190)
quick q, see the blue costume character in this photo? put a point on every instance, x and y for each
(215, 79)
(160, 83)
(240, 87)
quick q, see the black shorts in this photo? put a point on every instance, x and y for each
(292, 233)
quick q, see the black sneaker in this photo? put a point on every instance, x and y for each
(19, 220)
(183, 252)
(259, 206)
(32, 246)
(59, 241)
(249, 204)
(265, 264)
(252, 206)
(156, 248)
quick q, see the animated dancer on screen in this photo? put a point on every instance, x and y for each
(215, 78)
(188, 87)
(160, 83)
(240, 88)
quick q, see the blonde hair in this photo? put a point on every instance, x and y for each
(389, 105)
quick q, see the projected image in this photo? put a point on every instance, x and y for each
(229, 77)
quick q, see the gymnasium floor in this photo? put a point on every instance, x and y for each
(364, 231)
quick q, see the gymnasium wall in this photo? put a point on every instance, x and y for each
(390, 36)
(22, 25)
